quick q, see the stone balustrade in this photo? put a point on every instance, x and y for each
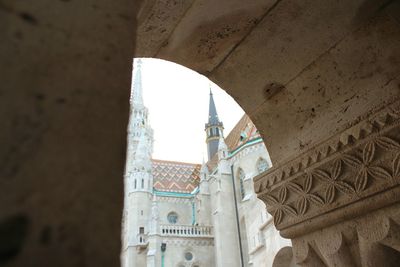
(186, 230)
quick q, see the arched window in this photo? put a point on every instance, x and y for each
(262, 165)
(135, 183)
(142, 183)
(241, 176)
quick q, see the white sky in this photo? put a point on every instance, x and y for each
(177, 99)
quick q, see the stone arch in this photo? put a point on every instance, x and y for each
(275, 67)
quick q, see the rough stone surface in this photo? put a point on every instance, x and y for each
(295, 65)
(321, 82)
(65, 73)
(305, 73)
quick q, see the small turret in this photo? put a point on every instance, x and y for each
(222, 149)
(204, 171)
(204, 186)
(223, 153)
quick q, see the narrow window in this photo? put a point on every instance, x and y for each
(142, 183)
(135, 183)
(241, 176)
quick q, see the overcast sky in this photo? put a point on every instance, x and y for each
(177, 99)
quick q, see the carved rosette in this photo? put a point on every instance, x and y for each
(360, 162)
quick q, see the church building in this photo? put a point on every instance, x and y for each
(179, 214)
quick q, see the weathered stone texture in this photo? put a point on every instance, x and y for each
(65, 81)
(321, 82)
(304, 71)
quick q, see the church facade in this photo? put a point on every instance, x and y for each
(180, 214)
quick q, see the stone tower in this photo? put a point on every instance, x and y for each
(138, 178)
(214, 128)
(223, 212)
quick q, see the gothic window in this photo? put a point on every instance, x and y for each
(142, 183)
(135, 183)
(172, 217)
(262, 165)
(217, 131)
(241, 176)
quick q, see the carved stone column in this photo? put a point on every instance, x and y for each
(339, 202)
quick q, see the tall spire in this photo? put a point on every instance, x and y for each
(212, 111)
(214, 128)
(137, 91)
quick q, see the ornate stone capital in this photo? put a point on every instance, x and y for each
(350, 174)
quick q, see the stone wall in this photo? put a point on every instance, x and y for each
(65, 80)
(304, 72)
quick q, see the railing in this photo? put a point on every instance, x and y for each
(186, 230)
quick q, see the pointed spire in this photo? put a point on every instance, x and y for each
(212, 111)
(137, 91)
(214, 128)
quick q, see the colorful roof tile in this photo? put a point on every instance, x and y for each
(172, 176)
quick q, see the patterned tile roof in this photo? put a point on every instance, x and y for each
(244, 131)
(172, 176)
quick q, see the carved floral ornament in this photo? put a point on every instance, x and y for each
(348, 177)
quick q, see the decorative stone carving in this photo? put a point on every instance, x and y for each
(346, 188)
(371, 240)
(360, 162)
